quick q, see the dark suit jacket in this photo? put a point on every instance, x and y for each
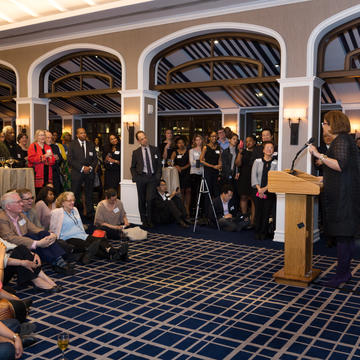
(226, 158)
(77, 159)
(137, 162)
(219, 210)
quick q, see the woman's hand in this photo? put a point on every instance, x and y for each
(18, 347)
(313, 151)
(217, 167)
(178, 168)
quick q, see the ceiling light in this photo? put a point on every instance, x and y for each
(6, 18)
(24, 8)
(90, 2)
(56, 5)
(277, 65)
(259, 94)
(216, 41)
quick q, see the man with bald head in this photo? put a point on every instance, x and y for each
(82, 160)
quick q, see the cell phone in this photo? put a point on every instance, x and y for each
(264, 197)
(241, 144)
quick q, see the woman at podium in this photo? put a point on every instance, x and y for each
(264, 201)
(341, 172)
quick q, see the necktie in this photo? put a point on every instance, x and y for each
(83, 148)
(148, 164)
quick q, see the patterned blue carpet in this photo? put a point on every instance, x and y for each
(192, 298)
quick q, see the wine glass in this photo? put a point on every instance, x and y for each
(2, 161)
(11, 161)
(63, 342)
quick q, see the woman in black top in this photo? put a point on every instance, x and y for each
(180, 157)
(22, 154)
(244, 161)
(112, 164)
(211, 159)
(341, 169)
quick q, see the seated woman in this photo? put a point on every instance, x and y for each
(110, 215)
(26, 265)
(45, 202)
(67, 225)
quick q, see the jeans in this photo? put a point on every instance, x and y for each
(7, 349)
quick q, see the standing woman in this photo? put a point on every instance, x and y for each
(228, 157)
(22, 140)
(196, 170)
(244, 163)
(167, 146)
(264, 201)
(41, 158)
(341, 174)
(180, 157)
(112, 164)
(211, 160)
(98, 182)
(64, 169)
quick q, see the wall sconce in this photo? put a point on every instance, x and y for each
(293, 115)
(22, 124)
(130, 120)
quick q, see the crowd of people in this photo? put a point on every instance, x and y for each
(235, 175)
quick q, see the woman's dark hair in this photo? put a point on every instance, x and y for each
(100, 140)
(252, 136)
(43, 193)
(20, 136)
(109, 193)
(267, 142)
(180, 138)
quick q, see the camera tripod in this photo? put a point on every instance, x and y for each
(204, 189)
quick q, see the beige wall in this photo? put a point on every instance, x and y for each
(231, 120)
(293, 22)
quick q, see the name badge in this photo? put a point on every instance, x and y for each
(22, 222)
(117, 152)
(232, 208)
(19, 156)
(156, 157)
(116, 210)
(179, 156)
(217, 151)
(90, 153)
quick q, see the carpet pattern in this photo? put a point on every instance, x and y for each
(185, 298)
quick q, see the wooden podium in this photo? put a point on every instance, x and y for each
(300, 189)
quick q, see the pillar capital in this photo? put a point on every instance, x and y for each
(312, 81)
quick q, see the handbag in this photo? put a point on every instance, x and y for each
(135, 233)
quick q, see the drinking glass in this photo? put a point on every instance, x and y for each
(11, 161)
(2, 161)
(63, 342)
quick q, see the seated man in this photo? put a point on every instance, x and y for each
(168, 208)
(28, 208)
(226, 212)
(16, 228)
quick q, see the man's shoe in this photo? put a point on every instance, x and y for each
(28, 340)
(64, 270)
(183, 224)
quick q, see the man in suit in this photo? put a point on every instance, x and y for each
(82, 160)
(226, 211)
(146, 173)
(168, 207)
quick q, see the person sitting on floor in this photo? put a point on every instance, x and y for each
(28, 209)
(16, 228)
(67, 225)
(110, 215)
(45, 202)
(26, 265)
(168, 208)
(10, 343)
(226, 211)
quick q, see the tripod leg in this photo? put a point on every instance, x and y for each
(197, 205)
(212, 205)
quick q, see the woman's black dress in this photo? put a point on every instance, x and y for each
(112, 171)
(184, 176)
(210, 174)
(244, 182)
(342, 189)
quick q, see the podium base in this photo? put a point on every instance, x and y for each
(296, 280)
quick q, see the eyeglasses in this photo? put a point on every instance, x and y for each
(324, 123)
(26, 199)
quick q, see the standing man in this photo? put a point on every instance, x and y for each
(223, 140)
(266, 135)
(146, 172)
(82, 160)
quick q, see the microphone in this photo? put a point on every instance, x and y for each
(310, 141)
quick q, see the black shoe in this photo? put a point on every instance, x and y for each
(148, 224)
(183, 224)
(90, 252)
(73, 257)
(28, 302)
(28, 340)
(64, 270)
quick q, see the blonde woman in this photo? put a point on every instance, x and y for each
(41, 159)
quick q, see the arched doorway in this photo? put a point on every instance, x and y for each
(8, 94)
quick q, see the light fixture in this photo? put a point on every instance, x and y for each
(130, 120)
(293, 115)
(216, 41)
(259, 94)
(22, 123)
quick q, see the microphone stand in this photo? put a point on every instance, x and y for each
(310, 141)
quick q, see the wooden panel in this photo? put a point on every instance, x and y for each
(301, 183)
